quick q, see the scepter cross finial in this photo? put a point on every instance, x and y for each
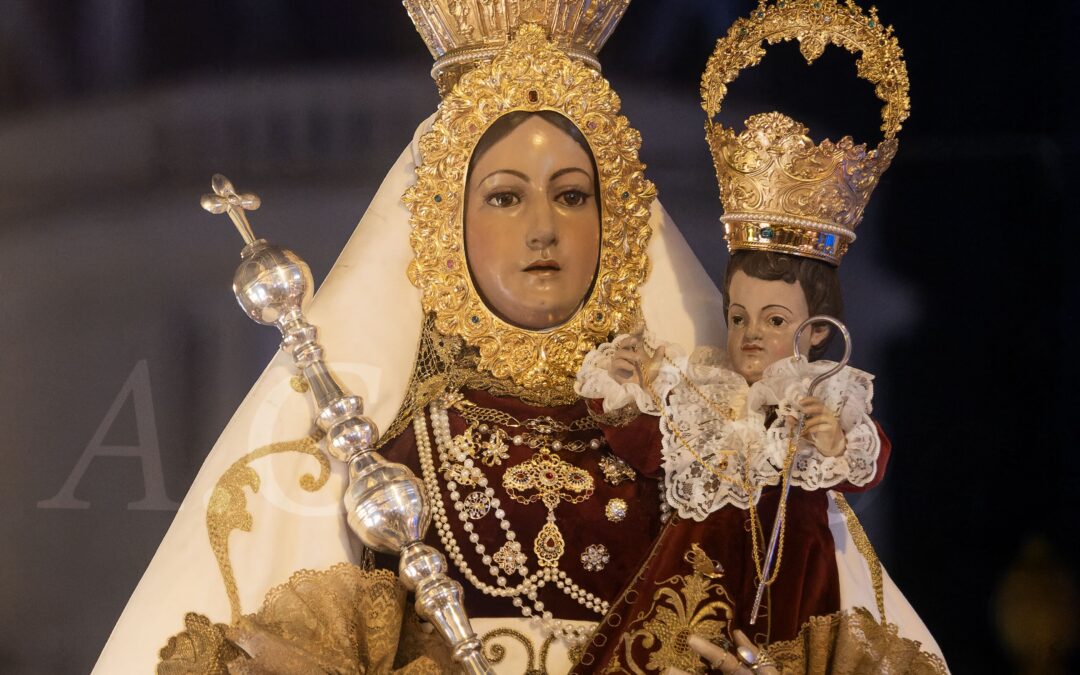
(226, 200)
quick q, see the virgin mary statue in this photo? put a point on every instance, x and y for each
(514, 234)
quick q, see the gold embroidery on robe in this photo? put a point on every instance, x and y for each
(495, 652)
(683, 605)
(862, 543)
(227, 510)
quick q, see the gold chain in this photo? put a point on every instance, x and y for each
(726, 413)
(781, 514)
(755, 521)
(542, 425)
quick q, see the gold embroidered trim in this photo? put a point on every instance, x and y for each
(852, 642)
(862, 543)
(495, 653)
(530, 74)
(680, 607)
(227, 510)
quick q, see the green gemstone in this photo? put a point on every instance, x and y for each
(438, 198)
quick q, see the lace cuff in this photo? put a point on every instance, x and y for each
(595, 381)
(848, 394)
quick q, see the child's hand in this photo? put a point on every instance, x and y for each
(631, 363)
(822, 428)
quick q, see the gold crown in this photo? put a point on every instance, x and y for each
(463, 33)
(780, 191)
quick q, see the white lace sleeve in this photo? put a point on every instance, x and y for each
(708, 441)
(848, 394)
(595, 381)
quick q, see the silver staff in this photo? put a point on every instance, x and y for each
(385, 502)
(774, 539)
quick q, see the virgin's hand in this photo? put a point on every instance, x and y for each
(726, 662)
(822, 427)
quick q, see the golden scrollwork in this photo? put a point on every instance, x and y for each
(495, 652)
(530, 74)
(227, 510)
(694, 603)
(815, 24)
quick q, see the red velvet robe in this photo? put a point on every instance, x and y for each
(644, 551)
(642, 620)
(581, 524)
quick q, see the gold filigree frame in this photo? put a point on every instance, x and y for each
(815, 24)
(529, 74)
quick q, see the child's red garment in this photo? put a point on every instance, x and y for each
(700, 577)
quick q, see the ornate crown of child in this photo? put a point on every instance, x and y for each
(780, 191)
(462, 33)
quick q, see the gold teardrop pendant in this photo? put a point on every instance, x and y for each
(549, 545)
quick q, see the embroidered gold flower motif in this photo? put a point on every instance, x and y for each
(683, 605)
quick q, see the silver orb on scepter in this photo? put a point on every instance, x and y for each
(385, 503)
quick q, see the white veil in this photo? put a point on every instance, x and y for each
(369, 319)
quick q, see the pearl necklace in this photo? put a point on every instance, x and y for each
(531, 583)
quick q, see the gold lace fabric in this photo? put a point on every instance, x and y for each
(343, 620)
(852, 642)
(445, 363)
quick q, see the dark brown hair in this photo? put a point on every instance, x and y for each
(819, 281)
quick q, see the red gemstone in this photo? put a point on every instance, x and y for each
(534, 96)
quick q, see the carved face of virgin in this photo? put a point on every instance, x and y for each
(532, 225)
(762, 319)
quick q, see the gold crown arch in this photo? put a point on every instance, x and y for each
(780, 191)
(531, 73)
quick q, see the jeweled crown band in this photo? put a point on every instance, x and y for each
(805, 241)
(449, 68)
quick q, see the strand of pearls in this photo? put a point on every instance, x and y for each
(531, 583)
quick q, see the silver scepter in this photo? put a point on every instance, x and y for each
(385, 502)
(774, 539)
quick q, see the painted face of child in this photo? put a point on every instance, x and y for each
(532, 227)
(762, 318)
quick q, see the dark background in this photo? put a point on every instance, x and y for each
(962, 292)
